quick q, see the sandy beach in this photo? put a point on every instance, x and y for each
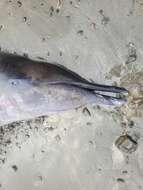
(95, 146)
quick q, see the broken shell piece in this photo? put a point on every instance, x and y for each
(126, 144)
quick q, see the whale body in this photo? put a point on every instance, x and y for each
(30, 88)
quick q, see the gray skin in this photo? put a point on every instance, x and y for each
(33, 88)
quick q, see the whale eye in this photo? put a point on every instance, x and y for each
(19, 84)
(14, 82)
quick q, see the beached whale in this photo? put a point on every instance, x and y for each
(30, 88)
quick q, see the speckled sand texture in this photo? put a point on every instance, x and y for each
(93, 147)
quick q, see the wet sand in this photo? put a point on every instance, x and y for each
(92, 147)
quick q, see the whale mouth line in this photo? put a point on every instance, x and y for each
(88, 86)
(112, 94)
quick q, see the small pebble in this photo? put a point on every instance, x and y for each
(15, 168)
(121, 180)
